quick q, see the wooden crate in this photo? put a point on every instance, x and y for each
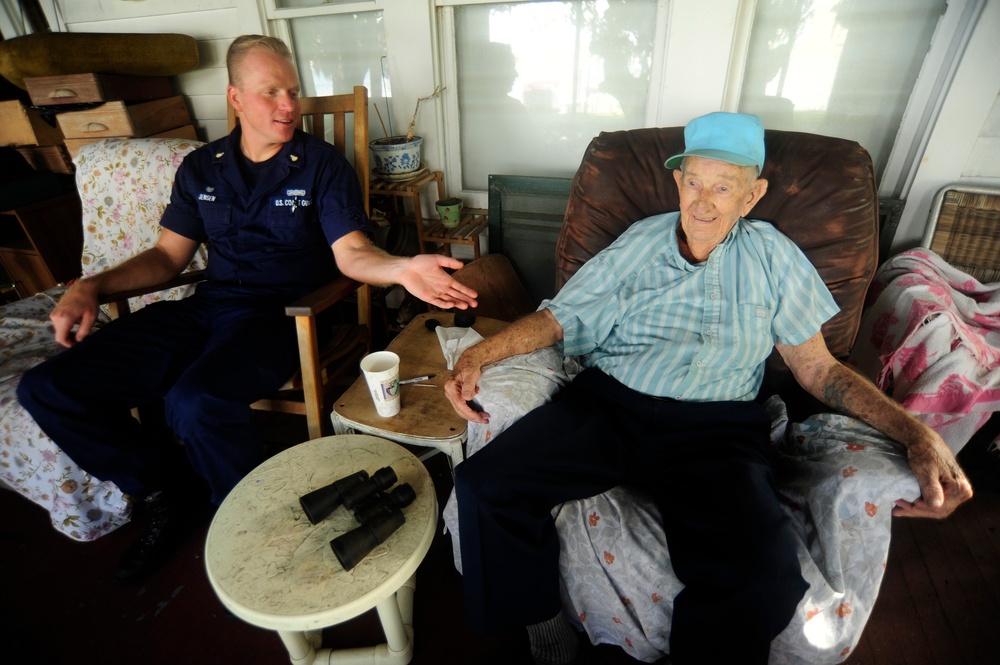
(114, 119)
(82, 88)
(185, 132)
(20, 125)
(53, 158)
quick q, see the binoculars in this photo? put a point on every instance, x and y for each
(349, 490)
(378, 519)
(379, 514)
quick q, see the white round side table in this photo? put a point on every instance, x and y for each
(272, 568)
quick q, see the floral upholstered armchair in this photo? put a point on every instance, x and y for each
(124, 185)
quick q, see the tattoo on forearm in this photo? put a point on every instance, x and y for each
(836, 393)
(853, 395)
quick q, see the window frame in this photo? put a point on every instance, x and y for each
(432, 61)
(450, 118)
(23, 17)
(678, 91)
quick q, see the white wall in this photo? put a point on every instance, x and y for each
(213, 23)
(984, 161)
(963, 144)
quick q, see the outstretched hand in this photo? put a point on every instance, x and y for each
(943, 485)
(424, 276)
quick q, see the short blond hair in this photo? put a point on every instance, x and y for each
(242, 46)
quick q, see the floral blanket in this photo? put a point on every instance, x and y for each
(839, 477)
(930, 337)
(124, 185)
(80, 506)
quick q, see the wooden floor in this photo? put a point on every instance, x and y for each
(940, 599)
(938, 605)
(941, 593)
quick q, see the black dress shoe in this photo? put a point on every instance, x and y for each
(170, 519)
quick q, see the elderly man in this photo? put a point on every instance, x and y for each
(674, 320)
(210, 356)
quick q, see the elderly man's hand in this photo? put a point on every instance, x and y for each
(943, 485)
(424, 277)
(462, 388)
(527, 334)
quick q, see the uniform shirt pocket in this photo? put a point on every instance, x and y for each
(292, 223)
(216, 211)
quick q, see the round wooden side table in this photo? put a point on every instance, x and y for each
(272, 568)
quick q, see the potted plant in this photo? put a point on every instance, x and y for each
(399, 156)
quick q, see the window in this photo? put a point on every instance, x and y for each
(846, 68)
(297, 4)
(337, 47)
(841, 68)
(537, 80)
(336, 52)
(21, 17)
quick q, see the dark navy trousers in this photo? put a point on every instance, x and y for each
(205, 359)
(707, 466)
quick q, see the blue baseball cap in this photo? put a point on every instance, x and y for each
(737, 138)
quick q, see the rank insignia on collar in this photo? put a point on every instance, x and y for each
(294, 158)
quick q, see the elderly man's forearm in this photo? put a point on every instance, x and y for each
(529, 333)
(850, 393)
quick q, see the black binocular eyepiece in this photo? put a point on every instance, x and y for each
(379, 518)
(368, 489)
(379, 513)
(397, 499)
(320, 503)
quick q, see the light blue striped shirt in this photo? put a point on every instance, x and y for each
(644, 315)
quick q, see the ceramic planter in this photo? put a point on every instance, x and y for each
(395, 155)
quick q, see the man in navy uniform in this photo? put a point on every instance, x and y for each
(270, 201)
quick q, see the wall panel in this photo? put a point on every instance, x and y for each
(96, 11)
(213, 23)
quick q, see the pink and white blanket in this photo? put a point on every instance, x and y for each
(930, 337)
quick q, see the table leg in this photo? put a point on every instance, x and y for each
(452, 448)
(396, 636)
(403, 604)
(439, 179)
(396, 615)
(339, 426)
(300, 648)
(457, 456)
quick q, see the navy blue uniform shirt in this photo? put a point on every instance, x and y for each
(274, 240)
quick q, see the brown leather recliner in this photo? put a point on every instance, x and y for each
(821, 193)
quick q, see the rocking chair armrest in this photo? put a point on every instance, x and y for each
(189, 277)
(324, 297)
(118, 301)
